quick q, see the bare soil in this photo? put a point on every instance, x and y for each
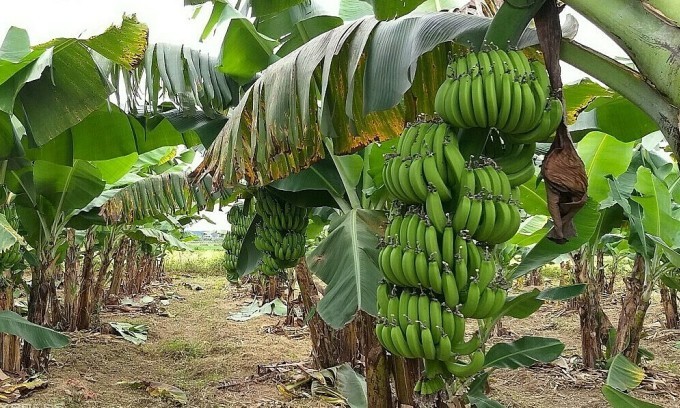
(200, 351)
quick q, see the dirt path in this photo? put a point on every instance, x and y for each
(199, 348)
(196, 350)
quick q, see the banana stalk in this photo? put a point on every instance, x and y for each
(629, 84)
(648, 38)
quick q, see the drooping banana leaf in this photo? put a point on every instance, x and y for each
(348, 84)
(157, 195)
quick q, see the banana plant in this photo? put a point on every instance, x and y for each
(53, 86)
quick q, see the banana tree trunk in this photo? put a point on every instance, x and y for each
(599, 266)
(377, 370)
(329, 347)
(38, 302)
(406, 372)
(70, 281)
(131, 267)
(9, 344)
(633, 310)
(118, 268)
(669, 301)
(86, 282)
(105, 257)
(594, 322)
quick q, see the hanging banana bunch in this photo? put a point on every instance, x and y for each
(501, 90)
(240, 217)
(12, 258)
(452, 209)
(281, 236)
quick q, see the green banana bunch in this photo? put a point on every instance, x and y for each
(494, 89)
(461, 196)
(268, 266)
(240, 217)
(421, 163)
(281, 234)
(12, 258)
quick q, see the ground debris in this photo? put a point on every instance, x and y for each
(13, 388)
(157, 389)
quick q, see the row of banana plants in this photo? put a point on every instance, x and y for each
(77, 134)
(262, 144)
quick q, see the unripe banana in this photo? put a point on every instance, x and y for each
(472, 300)
(449, 287)
(436, 320)
(429, 349)
(486, 302)
(402, 316)
(466, 370)
(424, 309)
(413, 339)
(435, 210)
(421, 265)
(444, 348)
(487, 272)
(435, 276)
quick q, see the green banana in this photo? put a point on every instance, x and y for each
(424, 309)
(444, 352)
(461, 273)
(467, 347)
(470, 304)
(435, 276)
(487, 272)
(435, 320)
(400, 343)
(478, 103)
(460, 216)
(429, 348)
(522, 176)
(416, 178)
(402, 316)
(433, 177)
(449, 287)
(466, 370)
(413, 340)
(474, 216)
(465, 102)
(435, 209)
(432, 244)
(421, 265)
(486, 302)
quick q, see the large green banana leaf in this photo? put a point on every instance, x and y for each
(38, 336)
(345, 260)
(54, 99)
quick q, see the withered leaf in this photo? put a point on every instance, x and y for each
(562, 169)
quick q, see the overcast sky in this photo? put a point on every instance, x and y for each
(170, 21)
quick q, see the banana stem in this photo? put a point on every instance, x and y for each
(629, 84)
(509, 23)
(652, 43)
(349, 189)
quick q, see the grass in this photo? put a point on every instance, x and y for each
(199, 262)
(178, 348)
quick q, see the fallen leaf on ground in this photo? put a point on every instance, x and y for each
(157, 389)
(134, 333)
(12, 392)
(275, 307)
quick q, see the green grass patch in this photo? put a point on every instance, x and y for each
(177, 348)
(203, 262)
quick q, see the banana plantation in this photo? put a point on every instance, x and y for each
(420, 209)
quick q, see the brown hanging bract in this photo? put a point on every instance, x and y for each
(563, 170)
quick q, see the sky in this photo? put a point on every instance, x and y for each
(170, 21)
